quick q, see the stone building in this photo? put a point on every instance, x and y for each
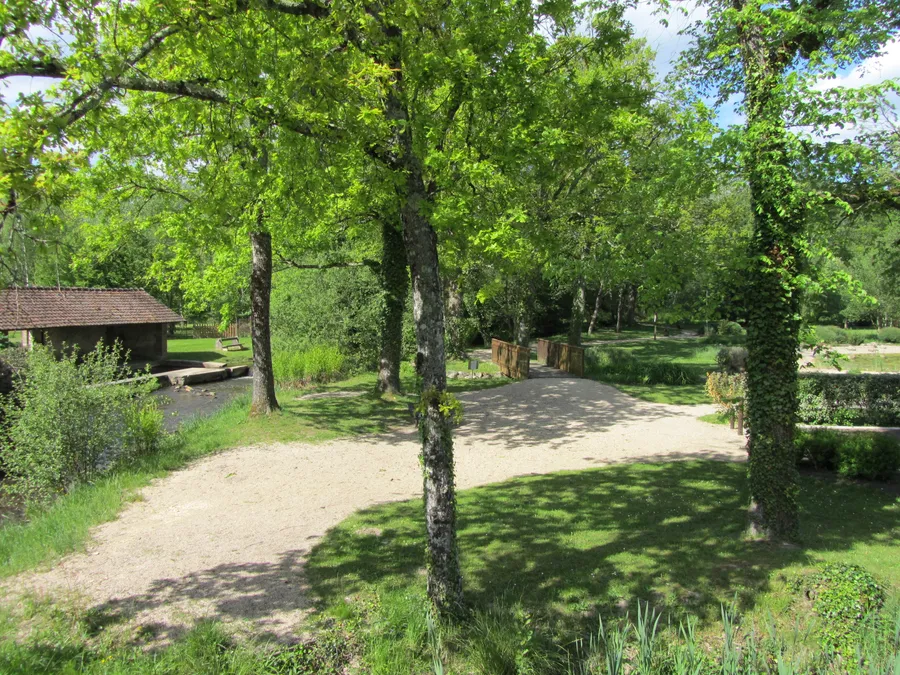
(82, 317)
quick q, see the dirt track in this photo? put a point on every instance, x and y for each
(226, 537)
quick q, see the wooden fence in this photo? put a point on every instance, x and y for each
(562, 356)
(512, 359)
(239, 328)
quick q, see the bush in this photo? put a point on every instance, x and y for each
(730, 328)
(729, 391)
(67, 423)
(889, 335)
(622, 367)
(844, 596)
(873, 456)
(865, 399)
(838, 336)
(732, 359)
(297, 367)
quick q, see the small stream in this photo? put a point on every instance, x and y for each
(183, 403)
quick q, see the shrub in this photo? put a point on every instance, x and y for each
(873, 456)
(729, 391)
(732, 328)
(732, 359)
(67, 423)
(622, 367)
(889, 335)
(844, 596)
(320, 364)
(866, 399)
(832, 335)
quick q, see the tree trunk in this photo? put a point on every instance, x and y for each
(455, 338)
(395, 285)
(632, 304)
(523, 329)
(773, 328)
(655, 317)
(444, 577)
(264, 401)
(593, 324)
(620, 309)
(577, 321)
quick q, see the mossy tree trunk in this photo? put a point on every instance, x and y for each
(264, 400)
(395, 286)
(443, 573)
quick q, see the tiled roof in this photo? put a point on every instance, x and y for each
(40, 307)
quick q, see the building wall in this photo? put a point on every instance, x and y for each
(145, 342)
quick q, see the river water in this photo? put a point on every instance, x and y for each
(183, 403)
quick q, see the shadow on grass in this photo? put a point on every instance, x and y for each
(573, 544)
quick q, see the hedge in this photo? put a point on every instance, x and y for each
(849, 399)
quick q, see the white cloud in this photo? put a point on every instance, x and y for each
(884, 66)
(665, 40)
(11, 87)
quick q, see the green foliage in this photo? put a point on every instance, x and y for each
(833, 335)
(732, 360)
(849, 399)
(318, 364)
(338, 307)
(623, 367)
(730, 328)
(890, 334)
(68, 424)
(873, 456)
(845, 596)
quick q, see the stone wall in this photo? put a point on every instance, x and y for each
(146, 342)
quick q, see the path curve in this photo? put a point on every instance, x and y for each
(226, 537)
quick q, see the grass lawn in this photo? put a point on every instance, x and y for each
(632, 333)
(62, 528)
(204, 349)
(568, 546)
(695, 357)
(857, 363)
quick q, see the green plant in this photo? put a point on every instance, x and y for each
(889, 334)
(72, 419)
(646, 631)
(844, 596)
(318, 364)
(622, 367)
(729, 393)
(732, 359)
(732, 328)
(849, 399)
(874, 456)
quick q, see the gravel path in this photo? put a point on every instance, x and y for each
(226, 537)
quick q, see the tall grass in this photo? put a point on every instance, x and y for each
(317, 364)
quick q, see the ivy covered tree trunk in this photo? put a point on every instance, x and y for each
(264, 401)
(597, 302)
(577, 320)
(444, 577)
(773, 308)
(395, 286)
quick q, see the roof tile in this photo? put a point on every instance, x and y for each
(41, 307)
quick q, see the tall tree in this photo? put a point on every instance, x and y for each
(769, 52)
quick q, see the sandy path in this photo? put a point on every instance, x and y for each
(226, 537)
